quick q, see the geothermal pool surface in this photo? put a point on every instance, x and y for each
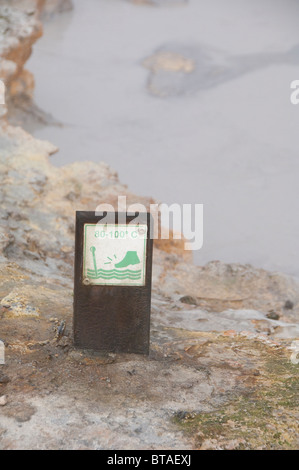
(190, 103)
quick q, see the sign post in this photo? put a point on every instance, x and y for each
(112, 287)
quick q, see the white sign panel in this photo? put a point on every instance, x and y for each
(114, 254)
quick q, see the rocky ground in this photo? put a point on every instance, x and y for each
(219, 374)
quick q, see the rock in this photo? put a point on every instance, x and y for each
(218, 286)
(20, 27)
(21, 412)
(177, 69)
(188, 299)
(273, 315)
(16, 305)
(19, 30)
(171, 71)
(51, 7)
(4, 379)
(6, 238)
(3, 400)
(170, 62)
(182, 415)
(289, 305)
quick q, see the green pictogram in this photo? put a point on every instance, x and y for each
(131, 258)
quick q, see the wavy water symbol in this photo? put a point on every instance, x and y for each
(114, 274)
